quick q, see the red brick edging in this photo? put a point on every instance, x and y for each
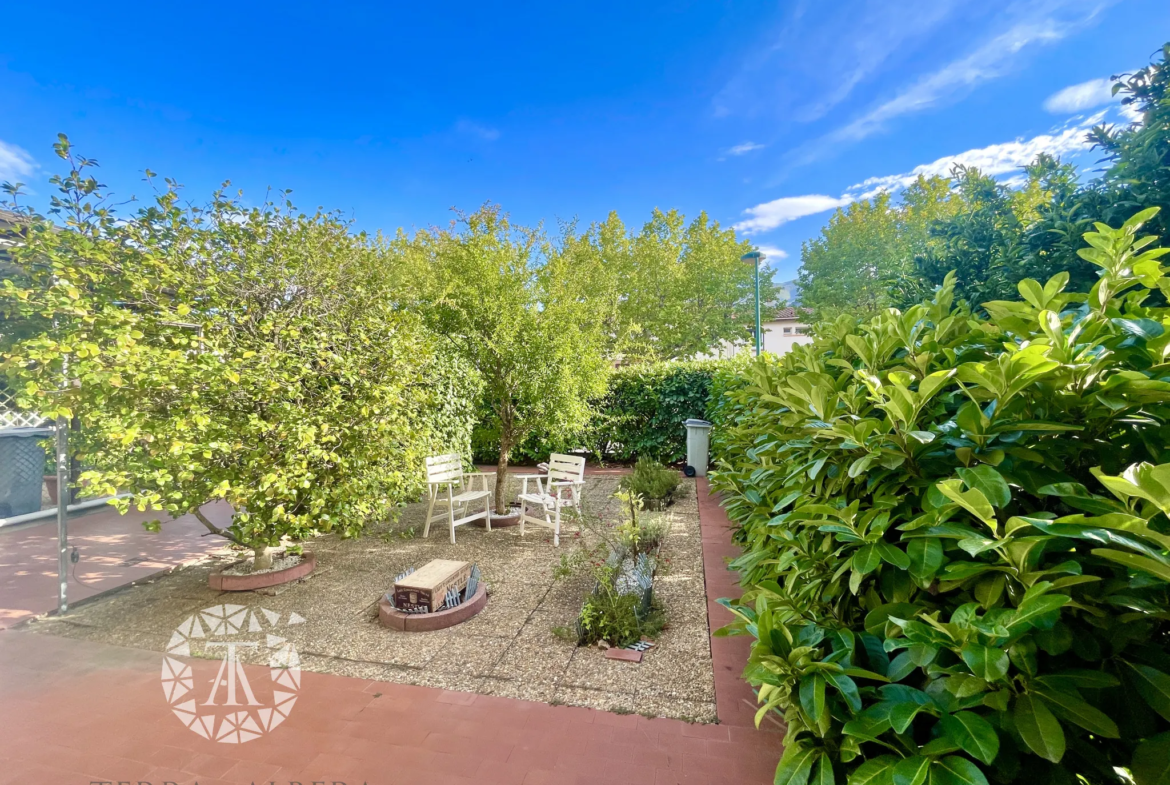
(221, 582)
(391, 617)
(734, 699)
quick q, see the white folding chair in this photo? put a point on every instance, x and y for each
(557, 490)
(446, 472)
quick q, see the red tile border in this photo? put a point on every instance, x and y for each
(734, 699)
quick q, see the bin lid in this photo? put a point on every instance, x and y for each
(693, 423)
(25, 432)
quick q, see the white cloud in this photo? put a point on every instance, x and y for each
(769, 215)
(1046, 23)
(1081, 97)
(994, 160)
(745, 147)
(484, 132)
(1131, 113)
(15, 162)
(818, 54)
(772, 253)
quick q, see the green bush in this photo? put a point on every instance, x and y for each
(957, 544)
(642, 413)
(652, 482)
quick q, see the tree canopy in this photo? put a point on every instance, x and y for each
(252, 355)
(895, 249)
(519, 309)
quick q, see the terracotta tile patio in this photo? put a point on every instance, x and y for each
(78, 712)
(114, 549)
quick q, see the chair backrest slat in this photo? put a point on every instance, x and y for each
(566, 467)
(445, 468)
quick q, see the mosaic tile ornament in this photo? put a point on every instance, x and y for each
(223, 633)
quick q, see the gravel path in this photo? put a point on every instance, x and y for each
(508, 650)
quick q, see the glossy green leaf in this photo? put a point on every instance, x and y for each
(911, 771)
(893, 555)
(812, 696)
(823, 772)
(973, 734)
(990, 482)
(1154, 567)
(875, 771)
(926, 557)
(796, 765)
(1154, 687)
(953, 770)
(1151, 761)
(986, 662)
(867, 559)
(1074, 709)
(1038, 727)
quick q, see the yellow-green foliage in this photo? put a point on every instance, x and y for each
(251, 355)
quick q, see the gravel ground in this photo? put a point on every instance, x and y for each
(279, 562)
(508, 649)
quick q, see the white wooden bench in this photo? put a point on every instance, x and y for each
(559, 489)
(445, 472)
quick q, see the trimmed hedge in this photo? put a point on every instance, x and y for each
(642, 414)
(957, 545)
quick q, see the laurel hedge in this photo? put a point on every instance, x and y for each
(641, 415)
(957, 550)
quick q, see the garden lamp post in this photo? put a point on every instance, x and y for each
(754, 257)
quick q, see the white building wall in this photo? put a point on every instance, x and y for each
(776, 340)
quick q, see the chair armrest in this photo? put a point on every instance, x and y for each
(529, 476)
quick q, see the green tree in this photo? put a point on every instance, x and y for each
(674, 289)
(518, 309)
(221, 352)
(866, 249)
(1139, 175)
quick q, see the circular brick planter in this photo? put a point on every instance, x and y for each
(511, 518)
(395, 619)
(262, 580)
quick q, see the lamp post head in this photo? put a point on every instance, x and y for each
(752, 257)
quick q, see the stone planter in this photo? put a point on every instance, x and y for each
(395, 619)
(510, 518)
(262, 580)
(51, 487)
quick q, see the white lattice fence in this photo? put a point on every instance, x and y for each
(11, 417)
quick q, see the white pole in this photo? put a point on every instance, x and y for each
(62, 443)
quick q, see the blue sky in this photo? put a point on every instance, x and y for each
(766, 115)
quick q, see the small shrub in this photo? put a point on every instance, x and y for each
(616, 611)
(653, 482)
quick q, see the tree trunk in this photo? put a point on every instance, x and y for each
(502, 477)
(262, 559)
